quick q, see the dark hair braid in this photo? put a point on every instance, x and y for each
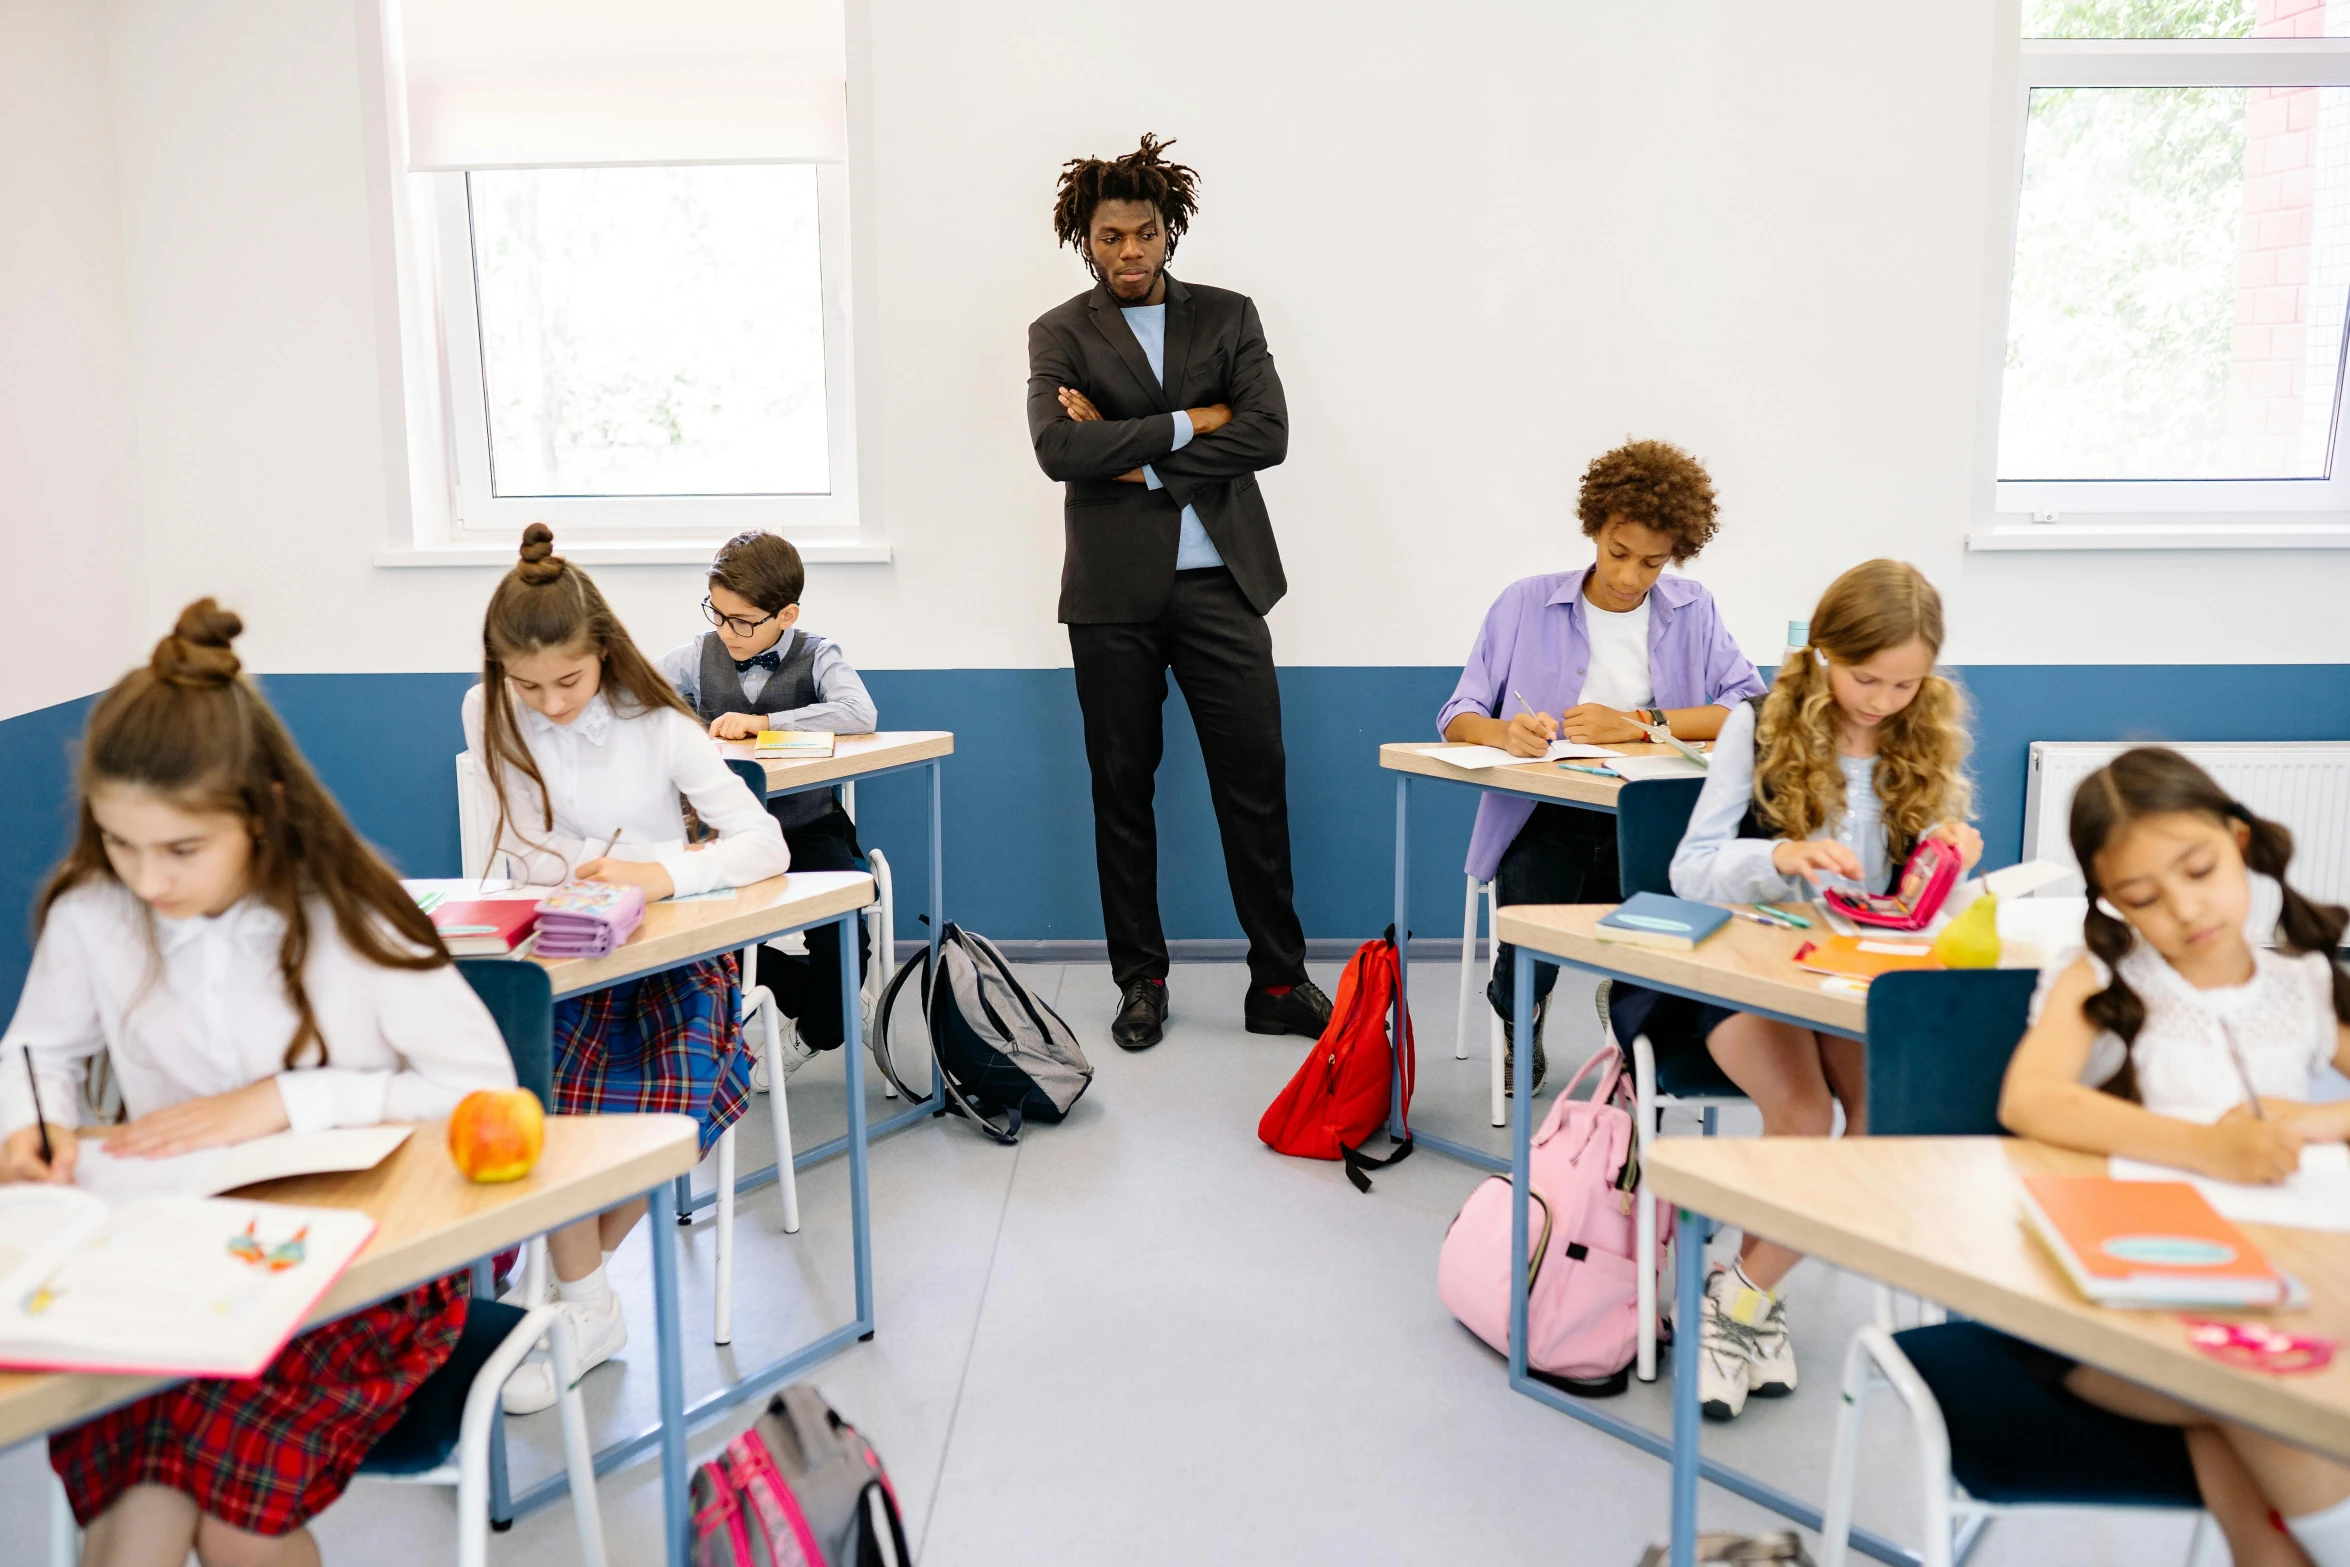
(1141, 175)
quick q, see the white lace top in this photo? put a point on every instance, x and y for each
(2281, 1022)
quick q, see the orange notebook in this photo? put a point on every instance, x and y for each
(2148, 1243)
(1864, 957)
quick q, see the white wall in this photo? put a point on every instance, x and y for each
(1488, 240)
(70, 575)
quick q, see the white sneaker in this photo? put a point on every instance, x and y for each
(601, 1335)
(791, 1053)
(513, 1292)
(1726, 1344)
(1773, 1374)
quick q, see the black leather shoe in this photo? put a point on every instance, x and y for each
(1142, 1010)
(1301, 1009)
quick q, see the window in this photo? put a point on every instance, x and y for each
(646, 350)
(2176, 286)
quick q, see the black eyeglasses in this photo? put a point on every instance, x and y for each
(734, 623)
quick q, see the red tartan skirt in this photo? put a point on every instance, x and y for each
(668, 1042)
(270, 1454)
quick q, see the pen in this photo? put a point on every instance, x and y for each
(615, 843)
(1782, 917)
(49, 1155)
(1596, 772)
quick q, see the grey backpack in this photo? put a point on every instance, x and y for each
(800, 1488)
(1003, 1055)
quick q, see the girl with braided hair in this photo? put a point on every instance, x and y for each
(2175, 1039)
(247, 965)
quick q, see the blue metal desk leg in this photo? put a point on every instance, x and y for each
(860, 1210)
(1403, 946)
(938, 857)
(676, 1517)
(1521, 1156)
(1688, 1312)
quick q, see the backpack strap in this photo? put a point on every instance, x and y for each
(1357, 1162)
(882, 1012)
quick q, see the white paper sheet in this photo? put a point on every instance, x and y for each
(1656, 767)
(214, 1170)
(2317, 1198)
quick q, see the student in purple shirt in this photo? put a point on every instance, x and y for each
(1595, 654)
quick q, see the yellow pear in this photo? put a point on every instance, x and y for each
(1972, 939)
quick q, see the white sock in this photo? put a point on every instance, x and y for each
(608, 1256)
(2324, 1536)
(1739, 1268)
(594, 1293)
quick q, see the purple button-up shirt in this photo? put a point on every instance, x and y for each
(1535, 640)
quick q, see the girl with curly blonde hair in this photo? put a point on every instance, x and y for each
(1856, 754)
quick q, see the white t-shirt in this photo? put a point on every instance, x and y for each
(1618, 673)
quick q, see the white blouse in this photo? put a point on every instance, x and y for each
(605, 774)
(2280, 1022)
(186, 1009)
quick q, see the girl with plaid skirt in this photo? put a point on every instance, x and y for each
(588, 751)
(248, 966)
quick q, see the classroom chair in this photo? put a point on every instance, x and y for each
(1993, 1438)
(451, 1432)
(1651, 816)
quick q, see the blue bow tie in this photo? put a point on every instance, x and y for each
(771, 661)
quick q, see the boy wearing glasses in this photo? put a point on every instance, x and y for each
(759, 670)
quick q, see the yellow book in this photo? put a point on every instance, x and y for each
(796, 745)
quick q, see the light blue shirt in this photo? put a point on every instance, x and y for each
(1715, 865)
(1149, 326)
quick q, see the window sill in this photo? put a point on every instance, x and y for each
(680, 552)
(2069, 536)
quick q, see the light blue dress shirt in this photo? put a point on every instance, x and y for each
(1715, 865)
(1149, 325)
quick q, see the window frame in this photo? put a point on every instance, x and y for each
(2174, 509)
(821, 524)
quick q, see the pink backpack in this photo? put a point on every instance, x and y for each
(1582, 1315)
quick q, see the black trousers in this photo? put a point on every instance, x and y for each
(808, 989)
(1562, 855)
(1222, 656)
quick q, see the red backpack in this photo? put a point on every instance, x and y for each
(1340, 1094)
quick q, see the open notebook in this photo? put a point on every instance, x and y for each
(211, 1171)
(161, 1286)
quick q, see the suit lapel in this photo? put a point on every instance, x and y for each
(1112, 326)
(1178, 348)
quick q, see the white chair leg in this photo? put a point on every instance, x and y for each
(579, 1457)
(1873, 1354)
(473, 1436)
(65, 1536)
(2205, 1547)
(1644, 1258)
(536, 1275)
(879, 921)
(787, 1180)
(722, 1291)
(1495, 1045)
(1460, 1034)
(1884, 1311)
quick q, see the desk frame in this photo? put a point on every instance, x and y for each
(1683, 1450)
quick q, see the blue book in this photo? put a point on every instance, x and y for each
(1650, 919)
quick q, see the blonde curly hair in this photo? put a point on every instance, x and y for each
(1921, 778)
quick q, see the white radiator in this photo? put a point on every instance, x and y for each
(2303, 784)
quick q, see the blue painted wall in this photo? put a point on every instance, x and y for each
(1019, 822)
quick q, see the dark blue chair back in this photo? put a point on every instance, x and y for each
(752, 773)
(1651, 815)
(1938, 1047)
(522, 1000)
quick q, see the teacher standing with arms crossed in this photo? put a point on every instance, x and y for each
(1155, 403)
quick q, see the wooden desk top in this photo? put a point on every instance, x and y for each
(853, 756)
(1535, 780)
(430, 1221)
(1942, 1216)
(1742, 965)
(675, 933)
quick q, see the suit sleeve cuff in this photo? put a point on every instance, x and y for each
(1183, 430)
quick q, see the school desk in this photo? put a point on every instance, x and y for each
(1744, 965)
(687, 931)
(1942, 1217)
(1544, 781)
(432, 1221)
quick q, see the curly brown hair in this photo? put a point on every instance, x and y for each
(1655, 484)
(1141, 175)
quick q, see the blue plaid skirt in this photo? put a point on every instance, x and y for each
(667, 1042)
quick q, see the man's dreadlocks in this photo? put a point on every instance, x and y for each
(1142, 175)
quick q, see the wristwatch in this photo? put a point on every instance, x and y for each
(1650, 717)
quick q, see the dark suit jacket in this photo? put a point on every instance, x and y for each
(1119, 562)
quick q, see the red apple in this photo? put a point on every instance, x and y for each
(495, 1134)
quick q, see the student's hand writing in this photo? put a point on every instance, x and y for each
(1595, 724)
(1815, 861)
(255, 1110)
(737, 726)
(20, 1155)
(1078, 406)
(2243, 1147)
(1530, 734)
(1208, 420)
(1964, 838)
(647, 874)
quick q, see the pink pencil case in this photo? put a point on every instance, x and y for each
(587, 919)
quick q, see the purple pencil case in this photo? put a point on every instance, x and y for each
(587, 919)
